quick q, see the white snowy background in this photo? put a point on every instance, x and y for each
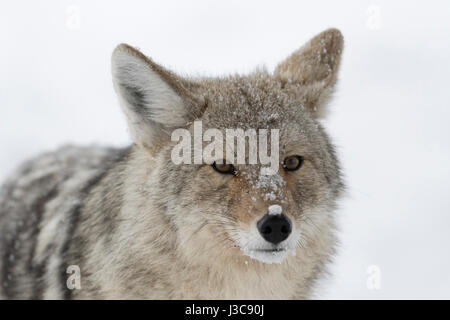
(390, 118)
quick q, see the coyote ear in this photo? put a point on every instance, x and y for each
(153, 99)
(313, 68)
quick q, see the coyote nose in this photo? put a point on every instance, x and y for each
(274, 228)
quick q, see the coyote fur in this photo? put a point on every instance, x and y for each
(135, 225)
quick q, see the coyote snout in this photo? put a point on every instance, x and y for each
(274, 228)
(272, 236)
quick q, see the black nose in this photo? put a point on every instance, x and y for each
(274, 228)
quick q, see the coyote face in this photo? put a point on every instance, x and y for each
(229, 213)
(135, 223)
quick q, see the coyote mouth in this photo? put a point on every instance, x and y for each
(258, 249)
(270, 250)
(275, 255)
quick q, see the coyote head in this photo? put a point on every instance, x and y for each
(223, 209)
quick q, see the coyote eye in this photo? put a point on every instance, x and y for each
(292, 163)
(225, 168)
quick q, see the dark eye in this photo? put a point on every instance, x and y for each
(292, 163)
(225, 168)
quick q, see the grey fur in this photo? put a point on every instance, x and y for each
(141, 227)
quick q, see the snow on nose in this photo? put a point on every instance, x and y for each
(275, 209)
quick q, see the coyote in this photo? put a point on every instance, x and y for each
(105, 223)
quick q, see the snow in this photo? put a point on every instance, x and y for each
(272, 181)
(389, 118)
(275, 209)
